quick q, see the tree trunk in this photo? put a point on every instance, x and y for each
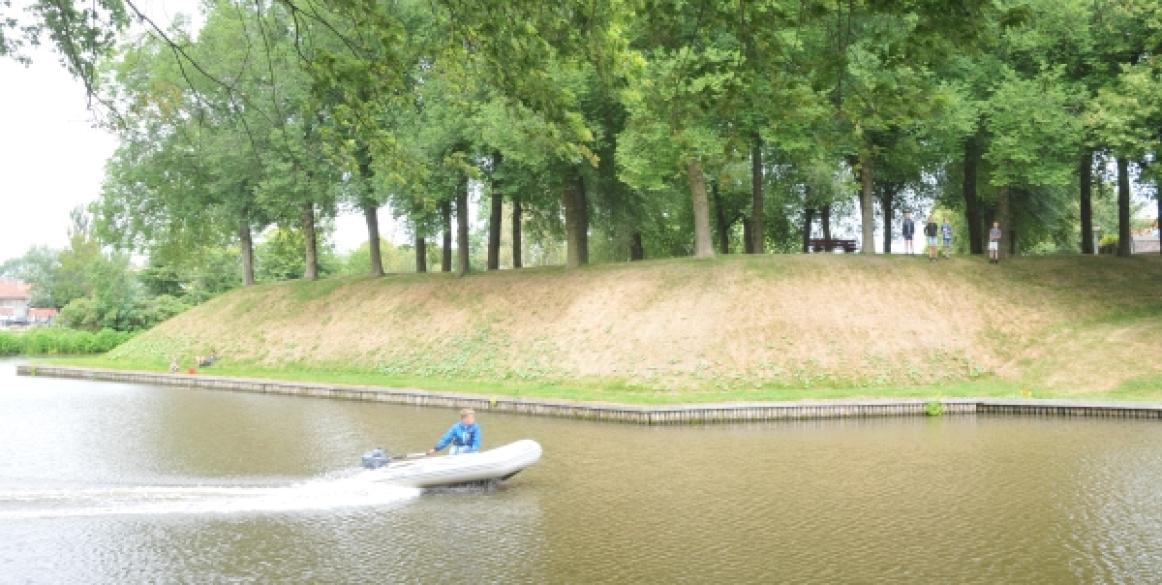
(1085, 180)
(370, 210)
(494, 225)
(825, 221)
(371, 214)
(446, 252)
(702, 246)
(971, 199)
(1124, 242)
(720, 220)
(310, 243)
(573, 200)
(1003, 218)
(866, 206)
(246, 242)
(757, 238)
(808, 217)
(421, 254)
(1158, 221)
(636, 250)
(583, 219)
(889, 194)
(516, 243)
(462, 227)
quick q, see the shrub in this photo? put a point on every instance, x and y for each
(81, 313)
(91, 315)
(150, 312)
(59, 340)
(10, 343)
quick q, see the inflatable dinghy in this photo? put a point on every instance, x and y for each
(419, 471)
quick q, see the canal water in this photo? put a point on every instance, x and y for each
(114, 483)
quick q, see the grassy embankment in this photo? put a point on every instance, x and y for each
(734, 328)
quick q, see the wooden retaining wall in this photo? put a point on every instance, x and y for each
(649, 415)
(1105, 409)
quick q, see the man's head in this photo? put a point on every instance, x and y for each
(467, 416)
(907, 215)
(996, 224)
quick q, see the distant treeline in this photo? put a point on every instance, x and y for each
(607, 131)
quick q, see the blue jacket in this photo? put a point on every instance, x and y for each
(460, 434)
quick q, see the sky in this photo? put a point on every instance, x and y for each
(52, 155)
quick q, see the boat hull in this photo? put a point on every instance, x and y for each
(494, 464)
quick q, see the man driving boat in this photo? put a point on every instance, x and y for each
(464, 436)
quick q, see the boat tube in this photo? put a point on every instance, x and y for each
(466, 468)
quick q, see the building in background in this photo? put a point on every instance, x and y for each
(14, 302)
(42, 316)
(1147, 240)
(16, 308)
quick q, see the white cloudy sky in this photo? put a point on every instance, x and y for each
(52, 156)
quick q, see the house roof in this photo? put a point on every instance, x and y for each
(14, 289)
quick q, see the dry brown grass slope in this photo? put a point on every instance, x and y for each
(823, 320)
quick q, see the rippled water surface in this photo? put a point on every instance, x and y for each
(113, 483)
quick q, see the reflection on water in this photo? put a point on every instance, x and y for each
(109, 483)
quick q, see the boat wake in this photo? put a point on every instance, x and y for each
(322, 493)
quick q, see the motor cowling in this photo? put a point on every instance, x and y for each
(375, 458)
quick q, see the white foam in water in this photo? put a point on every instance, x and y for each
(324, 493)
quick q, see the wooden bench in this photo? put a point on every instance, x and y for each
(833, 244)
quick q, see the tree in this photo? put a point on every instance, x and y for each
(683, 75)
(93, 288)
(188, 169)
(37, 267)
(884, 85)
(1125, 117)
(361, 78)
(1035, 137)
(617, 128)
(82, 32)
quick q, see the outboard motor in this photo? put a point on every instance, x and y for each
(375, 458)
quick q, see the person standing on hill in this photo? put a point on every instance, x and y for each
(995, 243)
(946, 232)
(909, 231)
(930, 233)
(464, 436)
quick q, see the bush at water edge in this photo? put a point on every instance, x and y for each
(58, 340)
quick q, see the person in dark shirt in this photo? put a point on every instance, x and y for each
(930, 233)
(909, 231)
